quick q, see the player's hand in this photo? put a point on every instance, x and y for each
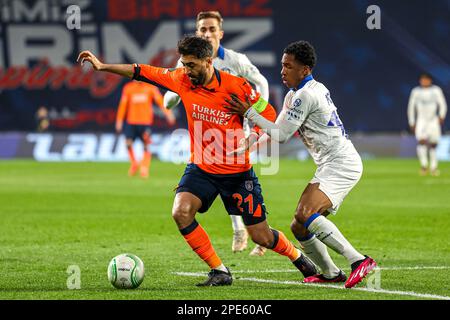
(238, 106)
(413, 129)
(441, 121)
(119, 126)
(89, 56)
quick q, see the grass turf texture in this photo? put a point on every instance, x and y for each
(58, 214)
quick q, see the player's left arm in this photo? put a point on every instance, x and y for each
(250, 72)
(442, 105)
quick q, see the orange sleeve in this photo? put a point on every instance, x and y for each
(167, 78)
(123, 104)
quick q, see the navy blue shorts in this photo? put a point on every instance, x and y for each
(241, 192)
(133, 131)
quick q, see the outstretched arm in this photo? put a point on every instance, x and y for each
(125, 70)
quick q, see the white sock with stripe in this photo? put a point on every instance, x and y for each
(318, 253)
(327, 232)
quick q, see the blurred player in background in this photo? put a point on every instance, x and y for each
(426, 114)
(204, 91)
(135, 117)
(309, 110)
(209, 26)
(42, 119)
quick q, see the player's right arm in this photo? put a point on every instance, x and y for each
(442, 105)
(125, 70)
(161, 77)
(411, 110)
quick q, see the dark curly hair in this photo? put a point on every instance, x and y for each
(303, 52)
(191, 45)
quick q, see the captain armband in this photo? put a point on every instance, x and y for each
(258, 107)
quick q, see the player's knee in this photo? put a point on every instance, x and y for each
(182, 213)
(303, 213)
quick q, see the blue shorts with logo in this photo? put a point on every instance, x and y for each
(133, 131)
(241, 192)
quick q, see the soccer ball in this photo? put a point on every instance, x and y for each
(126, 271)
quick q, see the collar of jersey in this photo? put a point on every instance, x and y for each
(215, 83)
(304, 81)
(221, 52)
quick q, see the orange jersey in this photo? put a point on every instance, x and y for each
(136, 103)
(213, 131)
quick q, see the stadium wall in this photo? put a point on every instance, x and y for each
(175, 147)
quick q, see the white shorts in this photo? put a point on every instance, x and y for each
(429, 131)
(337, 178)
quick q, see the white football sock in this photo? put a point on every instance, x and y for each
(422, 155)
(328, 233)
(318, 253)
(433, 159)
(222, 268)
(237, 223)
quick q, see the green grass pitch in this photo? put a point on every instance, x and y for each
(54, 215)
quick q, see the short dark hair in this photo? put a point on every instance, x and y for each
(191, 45)
(426, 75)
(303, 52)
(210, 14)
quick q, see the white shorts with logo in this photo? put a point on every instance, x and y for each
(430, 131)
(337, 178)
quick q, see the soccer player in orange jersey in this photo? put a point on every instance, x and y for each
(214, 133)
(134, 118)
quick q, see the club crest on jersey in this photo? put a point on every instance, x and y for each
(297, 103)
(249, 185)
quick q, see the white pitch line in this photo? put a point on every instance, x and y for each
(344, 269)
(327, 286)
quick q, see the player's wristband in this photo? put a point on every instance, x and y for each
(250, 113)
(137, 71)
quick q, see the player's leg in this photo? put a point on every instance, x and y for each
(435, 134)
(275, 240)
(422, 154)
(314, 202)
(433, 160)
(134, 166)
(130, 134)
(422, 148)
(317, 251)
(243, 195)
(196, 194)
(240, 235)
(147, 158)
